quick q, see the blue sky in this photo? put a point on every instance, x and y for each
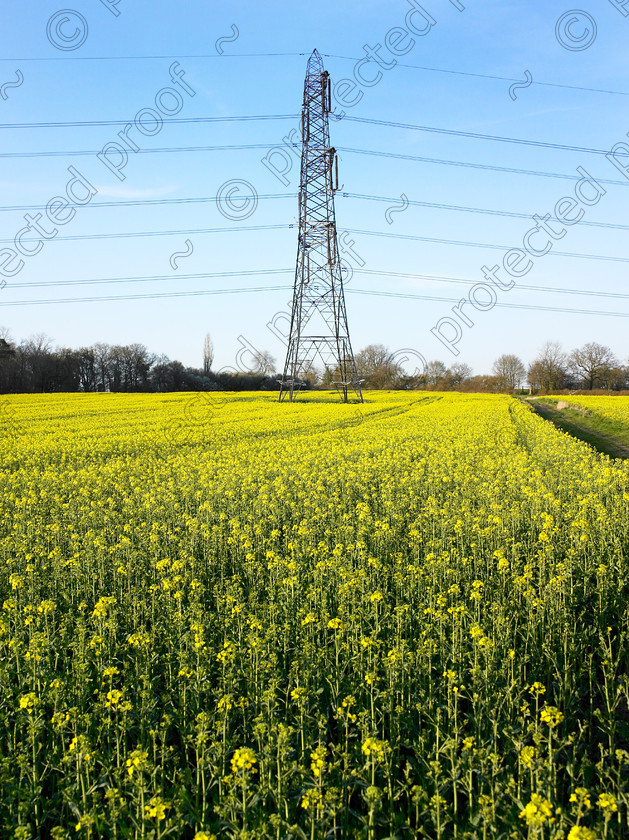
(441, 82)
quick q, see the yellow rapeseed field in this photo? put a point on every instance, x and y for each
(223, 617)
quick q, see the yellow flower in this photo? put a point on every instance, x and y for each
(113, 698)
(312, 799)
(86, 821)
(136, 762)
(374, 747)
(579, 832)
(582, 797)
(527, 755)
(244, 759)
(344, 708)
(101, 607)
(97, 643)
(80, 746)
(334, 623)
(229, 649)
(551, 716)
(198, 632)
(318, 762)
(537, 811)
(138, 640)
(607, 802)
(156, 809)
(477, 590)
(28, 702)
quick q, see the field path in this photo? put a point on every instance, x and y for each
(607, 445)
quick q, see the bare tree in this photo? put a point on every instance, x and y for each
(592, 364)
(86, 368)
(208, 354)
(39, 343)
(376, 366)
(548, 371)
(618, 378)
(141, 360)
(6, 348)
(115, 365)
(435, 372)
(459, 373)
(266, 363)
(38, 350)
(509, 370)
(102, 357)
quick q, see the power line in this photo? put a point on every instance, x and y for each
(363, 120)
(154, 57)
(471, 135)
(169, 120)
(148, 202)
(230, 148)
(401, 295)
(490, 76)
(301, 54)
(139, 234)
(275, 271)
(484, 166)
(483, 211)
(410, 237)
(360, 196)
(155, 277)
(504, 305)
(146, 297)
(345, 149)
(518, 287)
(481, 245)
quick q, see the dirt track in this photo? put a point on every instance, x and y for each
(604, 444)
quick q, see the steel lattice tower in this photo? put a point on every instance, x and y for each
(318, 327)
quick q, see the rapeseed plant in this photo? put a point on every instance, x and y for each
(281, 625)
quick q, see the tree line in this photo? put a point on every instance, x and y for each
(34, 365)
(592, 366)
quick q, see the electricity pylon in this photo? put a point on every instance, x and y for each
(318, 329)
